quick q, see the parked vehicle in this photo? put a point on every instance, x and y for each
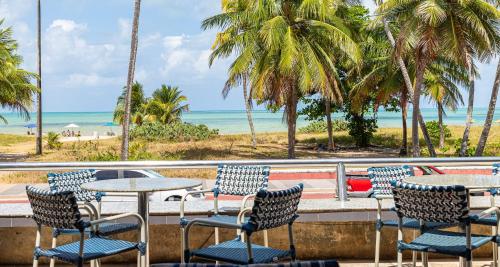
(358, 185)
(174, 195)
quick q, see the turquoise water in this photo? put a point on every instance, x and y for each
(226, 121)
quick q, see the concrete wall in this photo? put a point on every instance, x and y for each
(314, 240)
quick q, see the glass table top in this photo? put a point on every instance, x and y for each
(472, 181)
(141, 184)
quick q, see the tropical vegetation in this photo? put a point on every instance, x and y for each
(16, 90)
(309, 50)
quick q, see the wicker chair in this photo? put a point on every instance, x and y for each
(381, 178)
(492, 219)
(60, 210)
(311, 263)
(440, 204)
(271, 209)
(235, 180)
(72, 181)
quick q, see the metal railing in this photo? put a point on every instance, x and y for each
(339, 163)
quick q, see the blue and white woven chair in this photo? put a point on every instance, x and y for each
(492, 219)
(72, 181)
(439, 204)
(271, 209)
(60, 210)
(234, 180)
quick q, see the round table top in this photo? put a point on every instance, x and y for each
(141, 184)
(471, 181)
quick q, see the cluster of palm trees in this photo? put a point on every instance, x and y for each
(165, 106)
(285, 50)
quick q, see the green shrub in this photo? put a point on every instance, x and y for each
(53, 141)
(153, 131)
(321, 126)
(433, 129)
(361, 129)
(470, 152)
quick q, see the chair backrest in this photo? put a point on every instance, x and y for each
(54, 209)
(72, 181)
(241, 180)
(273, 209)
(496, 169)
(381, 177)
(447, 204)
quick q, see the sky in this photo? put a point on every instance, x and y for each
(86, 46)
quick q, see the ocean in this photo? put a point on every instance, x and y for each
(228, 122)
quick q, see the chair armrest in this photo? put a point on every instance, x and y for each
(116, 217)
(90, 209)
(489, 211)
(245, 200)
(241, 215)
(208, 222)
(183, 199)
(383, 197)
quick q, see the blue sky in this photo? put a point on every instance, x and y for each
(86, 48)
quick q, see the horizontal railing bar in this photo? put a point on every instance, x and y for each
(26, 166)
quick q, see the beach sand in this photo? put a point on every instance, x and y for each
(85, 138)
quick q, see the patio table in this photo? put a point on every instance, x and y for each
(473, 182)
(143, 187)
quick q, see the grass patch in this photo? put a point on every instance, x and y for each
(234, 147)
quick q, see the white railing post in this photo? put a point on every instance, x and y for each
(341, 183)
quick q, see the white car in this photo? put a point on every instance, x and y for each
(173, 195)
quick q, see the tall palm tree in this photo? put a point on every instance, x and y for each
(137, 100)
(407, 93)
(39, 81)
(236, 9)
(287, 51)
(130, 79)
(489, 116)
(442, 83)
(16, 90)
(459, 30)
(166, 105)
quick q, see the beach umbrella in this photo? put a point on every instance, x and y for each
(71, 125)
(31, 125)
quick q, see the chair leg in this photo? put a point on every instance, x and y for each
(414, 258)
(35, 262)
(400, 258)
(54, 244)
(495, 254)
(425, 259)
(377, 247)
(182, 245)
(266, 239)
(216, 235)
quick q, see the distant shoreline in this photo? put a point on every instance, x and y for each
(228, 122)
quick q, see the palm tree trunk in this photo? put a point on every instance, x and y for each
(470, 110)
(441, 126)
(419, 77)
(409, 86)
(329, 126)
(248, 108)
(489, 116)
(130, 80)
(291, 119)
(404, 116)
(38, 146)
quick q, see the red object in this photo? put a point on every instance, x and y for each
(358, 185)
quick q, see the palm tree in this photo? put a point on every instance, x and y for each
(16, 91)
(166, 105)
(130, 79)
(489, 116)
(457, 29)
(442, 86)
(287, 51)
(137, 100)
(39, 81)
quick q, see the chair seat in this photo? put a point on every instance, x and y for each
(105, 229)
(235, 251)
(490, 220)
(217, 218)
(94, 248)
(414, 224)
(444, 242)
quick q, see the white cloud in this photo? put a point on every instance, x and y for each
(173, 42)
(124, 27)
(66, 25)
(77, 80)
